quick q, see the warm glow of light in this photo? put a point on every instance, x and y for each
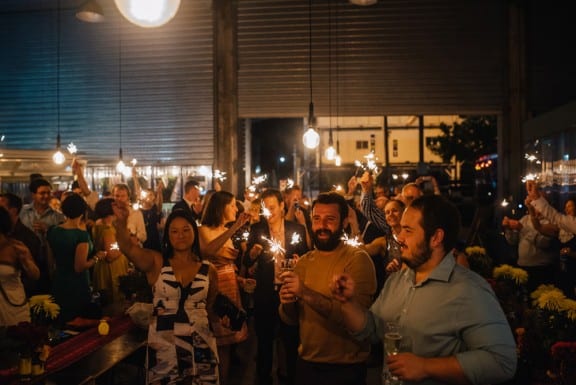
(330, 153)
(311, 138)
(58, 157)
(120, 166)
(148, 13)
(338, 161)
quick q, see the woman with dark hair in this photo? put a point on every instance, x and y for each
(70, 246)
(216, 245)
(182, 348)
(106, 275)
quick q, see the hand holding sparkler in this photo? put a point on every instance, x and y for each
(532, 190)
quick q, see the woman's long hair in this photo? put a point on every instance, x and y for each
(214, 211)
(167, 249)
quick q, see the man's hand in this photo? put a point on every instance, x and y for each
(532, 190)
(366, 182)
(406, 366)
(292, 288)
(342, 287)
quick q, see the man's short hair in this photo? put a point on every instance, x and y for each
(122, 186)
(272, 193)
(14, 201)
(333, 197)
(439, 213)
(190, 184)
(35, 184)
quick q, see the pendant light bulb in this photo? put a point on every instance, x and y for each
(311, 139)
(58, 156)
(120, 166)
(330, 153)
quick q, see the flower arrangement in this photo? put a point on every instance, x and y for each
(556, 314)
(43, 309)
(506, 272)
(31, 338)
(479, 261)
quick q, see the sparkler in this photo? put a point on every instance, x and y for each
(351, 241)
(219, 175)
(258, 180)
(72, 149)
(289, 183)
(369, 165)
(275, 246)
(114, 246)
(265, 212)
(295, 239)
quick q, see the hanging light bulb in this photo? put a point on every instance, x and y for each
(330, 152)
(311, 138)
(120, 166)
(58, 156)
(147, 13)
(337, 157)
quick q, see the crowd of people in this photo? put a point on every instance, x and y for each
(321, 279)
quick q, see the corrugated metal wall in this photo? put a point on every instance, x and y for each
(395, 57)
(166, 104)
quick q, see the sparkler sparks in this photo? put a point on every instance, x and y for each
(114, 246)
(369, 165)
(295, 239)
(265, 212)
(220, 175)
(351, 241)
(275, 246)
(72, 149)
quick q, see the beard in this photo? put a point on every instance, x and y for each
(327, 244)
(420, 256)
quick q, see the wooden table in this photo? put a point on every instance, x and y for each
(101, 361)
(87, 356)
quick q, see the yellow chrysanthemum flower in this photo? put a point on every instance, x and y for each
(551, 300)
(475, 250)
(569, 307)
(519, 276)
(43, 305)
(542, 289)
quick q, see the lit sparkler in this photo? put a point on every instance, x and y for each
(351, 241)
(275, 246)
(219, 175)
(289, 183)
(72, 149)
(295, 239)
(265, 212)
(114, 246)
(369, 165)
(258, 180)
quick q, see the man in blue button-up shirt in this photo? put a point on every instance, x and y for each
(454, 327)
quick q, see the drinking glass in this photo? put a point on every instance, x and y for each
(392, 346)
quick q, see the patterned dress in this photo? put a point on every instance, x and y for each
(182, 348)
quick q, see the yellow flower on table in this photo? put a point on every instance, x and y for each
(515, 274)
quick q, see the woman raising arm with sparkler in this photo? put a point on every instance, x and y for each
(216, 245)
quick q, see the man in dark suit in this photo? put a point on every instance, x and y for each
(191, 201)
(265, 238)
